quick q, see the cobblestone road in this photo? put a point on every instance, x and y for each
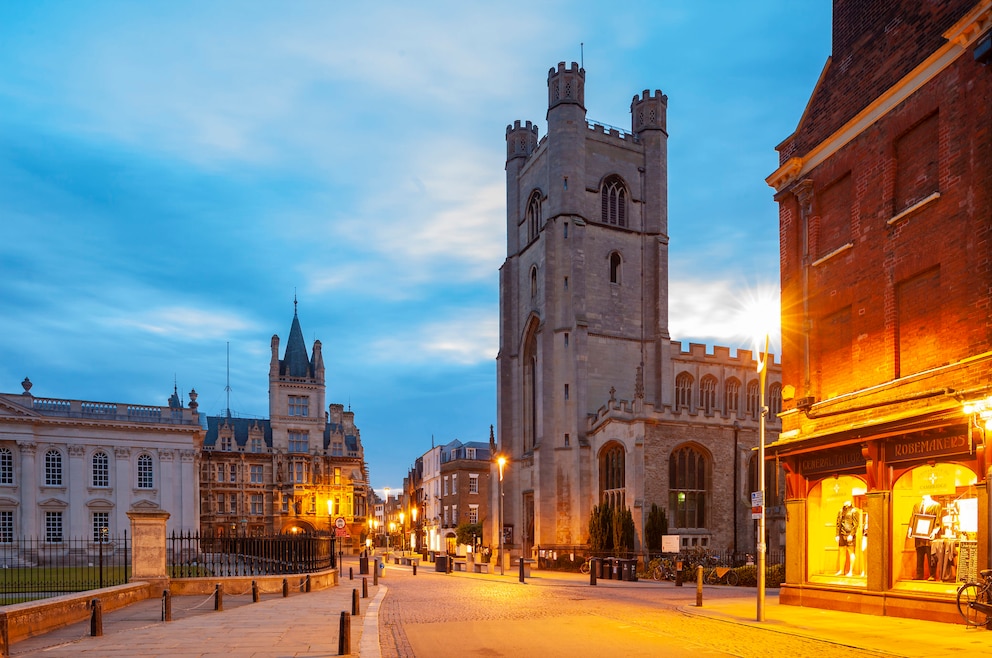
(445, 615)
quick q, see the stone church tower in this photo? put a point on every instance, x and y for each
(583, 298)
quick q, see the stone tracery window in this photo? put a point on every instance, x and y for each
(614, 200)
(612, 475)
(687, 477)
(533, 216)
(707, 394)
(683, 391)
(732, 396)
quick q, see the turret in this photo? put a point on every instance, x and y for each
(567, 86)
(649, 112)
(520, 140)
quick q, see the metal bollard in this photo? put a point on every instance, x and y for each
(375, 572)
(365, 588)
(414, 568)
(354, 601)
(96, 618)
(308, 582)
(592, 571)
(522, 570)
(285, 588)
(166, 605)
(351, 573)
(218, 597)
(699, 587)
(344, 635)
(254, 591)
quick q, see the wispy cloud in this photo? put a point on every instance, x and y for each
(468, 338)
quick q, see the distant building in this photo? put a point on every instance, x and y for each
(884, 205)
(73, 469)
(597, 404)
(300, 470)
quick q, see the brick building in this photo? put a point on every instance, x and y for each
(596, 402)
(301, 469)
(884, 213)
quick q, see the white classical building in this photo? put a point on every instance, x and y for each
(73, 468)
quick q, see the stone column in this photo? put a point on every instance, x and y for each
(148, 546)
(29, 488)
(877, 562)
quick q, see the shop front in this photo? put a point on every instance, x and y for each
(888, 520)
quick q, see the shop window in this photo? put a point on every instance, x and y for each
(935, 526)
(838, 530)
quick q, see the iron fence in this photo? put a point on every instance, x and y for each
(192, 555)
(571, 558)
(33, 569)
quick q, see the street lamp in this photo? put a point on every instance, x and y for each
(414, 535)
(402, 532)
(762, 376)
(501, 460)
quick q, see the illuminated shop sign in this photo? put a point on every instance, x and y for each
(922, 448)
(832, 461)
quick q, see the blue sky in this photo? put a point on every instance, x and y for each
(172, 173)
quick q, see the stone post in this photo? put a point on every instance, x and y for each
(148, 546)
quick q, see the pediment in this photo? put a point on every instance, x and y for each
(8, 408)
(145, 506)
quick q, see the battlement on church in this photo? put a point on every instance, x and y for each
(572, 68)
(529, 127)
(612, 131)
(721, 354)
(648, 95)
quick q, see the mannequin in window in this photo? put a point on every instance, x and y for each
(848, 520)
(931, 507)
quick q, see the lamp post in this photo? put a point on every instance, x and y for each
(501, 460)
(762, 376)
(415, 532)
(402, 532)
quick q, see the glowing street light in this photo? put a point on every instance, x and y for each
(762, 376)
(501, 460)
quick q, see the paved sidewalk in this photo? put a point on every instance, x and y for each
(303, 624)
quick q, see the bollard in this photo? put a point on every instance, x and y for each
(365, 588)
(254, 591)
(375, 572)
(678, 574)
(218, 597)
(285, 588)
(699, 587)
(592, 571)
(308, 582)
(414, 568)
(344, 635)
(521, 570)
(166, 605)
(351, 573)
(96, 618)
(354, 601)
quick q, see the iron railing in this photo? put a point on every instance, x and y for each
(33, 569)
(191, 555)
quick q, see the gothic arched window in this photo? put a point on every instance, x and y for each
(615, 263)
(614, 198)
(707, 394)
(732, 395)
(533, 216)
(774, 400)
(612, 476)
(687, 488)
(683, 391)
(753, 398)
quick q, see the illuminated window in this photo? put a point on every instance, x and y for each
(687, 488)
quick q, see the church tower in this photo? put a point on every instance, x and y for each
(583, 302)
(296, 394)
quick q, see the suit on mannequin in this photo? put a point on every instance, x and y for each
(931, 507)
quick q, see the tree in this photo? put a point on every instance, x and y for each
(623, 530)
(655, 527)
(467, 532)
(601, 528)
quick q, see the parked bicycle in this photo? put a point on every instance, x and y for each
(975, 601)
(664, 569)
(722, 574)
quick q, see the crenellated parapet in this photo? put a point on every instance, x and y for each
(521, 140)
(649, 112)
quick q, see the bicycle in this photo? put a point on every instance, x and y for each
(663, 570)
(724, 574)
(975, 600)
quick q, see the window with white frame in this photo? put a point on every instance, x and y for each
(445, 485)
(225, 442)
(257, 505)
(445, 515)
(256, 444)
(232, 503)
(220, 504)
(53, 470)
(257, 474)
(232, 471)
(146, 474)
(454, 515)
(53, 527)
(454, 484)
(470, 453)
(337, 449)
(299, 472)
(6, 526)
(473, 483)
(299, 441)
(101, 469)
(299, 405)
(6, 466)
(473, 513)
(101, 527)
(220, 472)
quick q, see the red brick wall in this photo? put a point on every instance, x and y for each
(917, 292)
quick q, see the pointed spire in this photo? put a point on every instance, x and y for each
(296, 363)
